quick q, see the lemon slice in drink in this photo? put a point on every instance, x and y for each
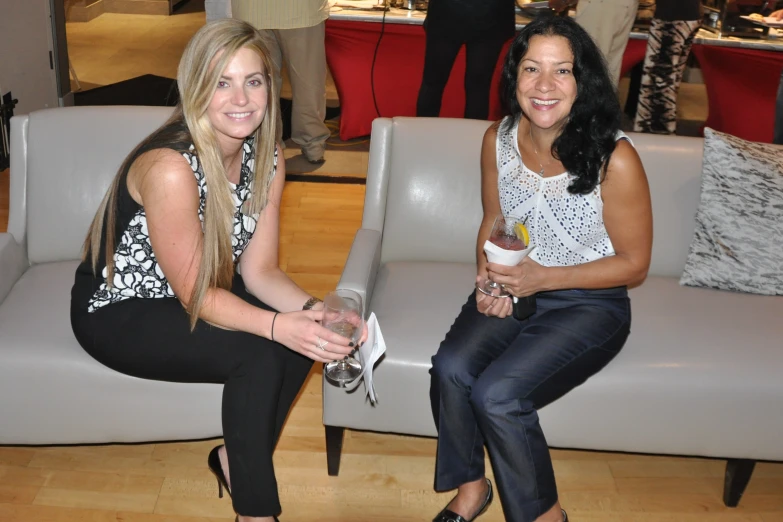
(521, 231)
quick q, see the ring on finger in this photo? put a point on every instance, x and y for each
(322, 344)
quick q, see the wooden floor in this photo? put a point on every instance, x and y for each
(384, 478)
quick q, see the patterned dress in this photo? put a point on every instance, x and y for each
(137, 273)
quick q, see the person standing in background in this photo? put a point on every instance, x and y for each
(609, 23)
(483, 26)
(778, 138)
(294, 30)
(672, 29)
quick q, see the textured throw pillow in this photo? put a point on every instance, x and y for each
(738, 241)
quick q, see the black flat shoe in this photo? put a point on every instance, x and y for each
(449, 516)
(213, 461)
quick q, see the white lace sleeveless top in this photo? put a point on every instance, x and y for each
(567, 229)
(137, 273)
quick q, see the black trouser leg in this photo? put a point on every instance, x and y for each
(439, 56)
(151, 339)
(481, 57)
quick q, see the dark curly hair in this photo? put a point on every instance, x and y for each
(588, 137)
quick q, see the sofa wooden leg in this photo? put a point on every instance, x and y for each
(738, 472)
(334, 448)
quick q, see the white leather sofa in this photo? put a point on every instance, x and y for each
(51, 391)
(700, 374)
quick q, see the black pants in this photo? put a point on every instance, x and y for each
(151, 339)
(441, 51)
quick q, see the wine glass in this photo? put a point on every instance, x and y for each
(510, 234)
(344, 315)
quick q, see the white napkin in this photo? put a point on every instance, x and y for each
(368, 354)
(501, 256)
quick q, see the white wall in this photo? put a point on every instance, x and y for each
(25, 42)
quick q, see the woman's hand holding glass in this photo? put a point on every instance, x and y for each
(507, 243)
(492, 306)
(344, 315)
(522, 280)
(303, 332)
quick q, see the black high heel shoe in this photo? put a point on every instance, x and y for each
(449, 516)
(213, 461)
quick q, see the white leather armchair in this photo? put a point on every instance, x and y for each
(51, 391)
(698, 376)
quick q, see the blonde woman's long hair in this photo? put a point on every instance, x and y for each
(203, 61)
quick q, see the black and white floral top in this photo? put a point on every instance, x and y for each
(137, 273)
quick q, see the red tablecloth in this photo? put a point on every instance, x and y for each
(741, 89)
(398, 70)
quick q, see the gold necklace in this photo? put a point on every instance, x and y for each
(533, 144)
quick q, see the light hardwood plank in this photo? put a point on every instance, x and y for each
(18, 494)
(76, 498)
(14, 456)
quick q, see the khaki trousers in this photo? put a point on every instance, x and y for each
(609, 23)
(305, 54)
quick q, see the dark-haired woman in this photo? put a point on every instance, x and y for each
(560, 161)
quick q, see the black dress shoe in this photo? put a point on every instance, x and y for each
(449, 516)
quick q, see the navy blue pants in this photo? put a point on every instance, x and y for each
(490, 376)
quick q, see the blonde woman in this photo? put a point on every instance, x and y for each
(157, 295)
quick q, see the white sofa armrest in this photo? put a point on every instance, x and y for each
(13, 263)
(362, 265)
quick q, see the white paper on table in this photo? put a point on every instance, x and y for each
(501, 256)
(368, 354)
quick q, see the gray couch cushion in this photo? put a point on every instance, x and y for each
(433, 204)
(415, 303)
(673, 166)
(85, 401)
(66, 182)
(683, 343)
